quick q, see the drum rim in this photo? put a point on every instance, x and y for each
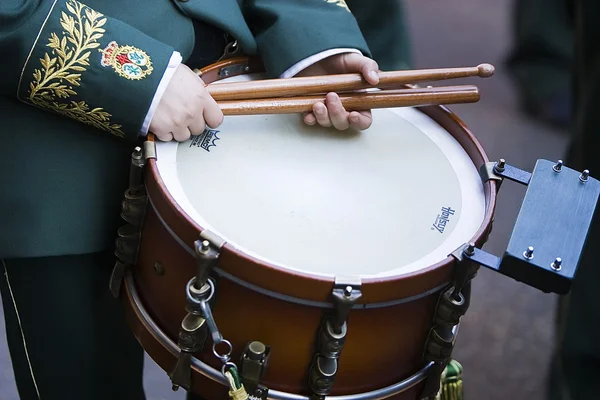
(305, 285)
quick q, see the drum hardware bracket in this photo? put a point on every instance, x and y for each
(234, 70)
(500, 170)
(254, 362)
(332, 336)
(149, 150)
(133, 211)
(213, 238)
(550, 233)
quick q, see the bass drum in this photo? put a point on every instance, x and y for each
(300, 208)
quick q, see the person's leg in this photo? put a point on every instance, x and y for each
(541, 60)
(576, 365)
(66, 334)
(577, 360)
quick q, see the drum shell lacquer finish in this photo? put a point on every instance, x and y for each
(384, 345)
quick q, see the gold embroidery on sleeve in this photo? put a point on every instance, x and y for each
(341, 3)
(61, 70)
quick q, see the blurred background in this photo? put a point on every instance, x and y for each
(506, 338)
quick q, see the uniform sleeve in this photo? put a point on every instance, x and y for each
(65, 57)
(289, 31)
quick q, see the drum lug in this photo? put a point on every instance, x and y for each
(332, 336)
(253, 365)
(136, 169)
(346, 291)
(207, 250)
(133, 211)
(126, 245)
(466, 269)
(192, 337)
(452, 304)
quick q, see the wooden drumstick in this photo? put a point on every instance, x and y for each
(303, 86)
(355, 102)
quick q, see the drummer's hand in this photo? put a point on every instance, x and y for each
(332, 113)
(185, 108)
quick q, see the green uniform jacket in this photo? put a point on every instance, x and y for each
(76, 82)
(384, 26)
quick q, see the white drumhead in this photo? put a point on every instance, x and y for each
(390, 200)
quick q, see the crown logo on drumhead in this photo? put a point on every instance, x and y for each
(206, 139)
(127, 61)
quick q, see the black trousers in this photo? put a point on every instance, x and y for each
(66, 333)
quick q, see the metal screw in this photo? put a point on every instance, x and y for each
(247, 68)
(584, 175)
(205, 247)
(137, 153)
(556, 265)
(348, 291)
(159, 269)
(558, 166)
(528, 253)
(175, 388)
(470, 249)
(500, 165)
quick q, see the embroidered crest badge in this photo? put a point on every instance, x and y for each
(127, 61)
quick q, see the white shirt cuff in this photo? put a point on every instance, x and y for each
(307, 62)
(174, 62)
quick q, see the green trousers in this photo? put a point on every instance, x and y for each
(66, 333)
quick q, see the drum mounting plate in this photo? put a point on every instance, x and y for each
(549, 236)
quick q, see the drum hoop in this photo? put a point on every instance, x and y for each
(302, 286)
